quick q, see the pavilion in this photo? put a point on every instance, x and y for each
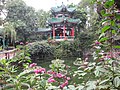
(63, 23)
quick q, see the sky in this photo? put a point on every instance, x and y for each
(47, 4)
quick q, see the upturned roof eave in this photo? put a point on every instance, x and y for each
(61, 20)
(59, 9)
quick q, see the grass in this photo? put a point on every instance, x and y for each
(68, 61)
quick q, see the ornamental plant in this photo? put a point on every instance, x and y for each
(58, 74)
(32, 77)
(103, 73)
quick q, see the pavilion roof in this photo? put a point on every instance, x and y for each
(43, 30)
(63, 19)
(62, 9)
(55, 20)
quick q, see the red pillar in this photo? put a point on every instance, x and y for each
(53, 32)
(72, 32)
(64, 32)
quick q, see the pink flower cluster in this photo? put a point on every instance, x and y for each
(26, 43)
(97, 43)
(41, 70)
(33, 65)
(60, 76)
(64, 84)
(37, 70)
(106, 56)
(21, 43)
(51, 80)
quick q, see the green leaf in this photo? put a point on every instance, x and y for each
(103, 39)
(99, 70)
(109, 3)
(82, 74)
(117, 46)
(112, 22)
(104, 81)
(117, 16)
(116, 81)
(1, 68)
(106, 15)
(101, 35)
(71, 87)
(105, 28)
(91, 85)
(97, 73)
(103, 87)
(113, 31)
(102, 12)
(80, 87)
(104, 21)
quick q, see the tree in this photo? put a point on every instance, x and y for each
(22, 17)
(42, 17)
(92, 16)
(9, 33)
(79, 14)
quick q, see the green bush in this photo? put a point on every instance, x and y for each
(22, 58)
(40, 50)
(69, 49)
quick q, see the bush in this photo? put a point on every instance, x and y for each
(69, 49)
(40, 50)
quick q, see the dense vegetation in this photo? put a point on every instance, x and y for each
(96, 38)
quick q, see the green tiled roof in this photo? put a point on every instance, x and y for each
(70, 20)
(70, 9)
(60, 20)
(54, 9)
(55, 20)
(43, 30)
(60, 9)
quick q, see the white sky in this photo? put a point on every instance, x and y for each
(47, 4)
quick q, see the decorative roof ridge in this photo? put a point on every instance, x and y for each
(63, 9)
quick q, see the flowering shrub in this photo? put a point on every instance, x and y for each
(34, 77)
(41, 70)
(33, 65)
(92, 75)
(57, 77)
(58, 74)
